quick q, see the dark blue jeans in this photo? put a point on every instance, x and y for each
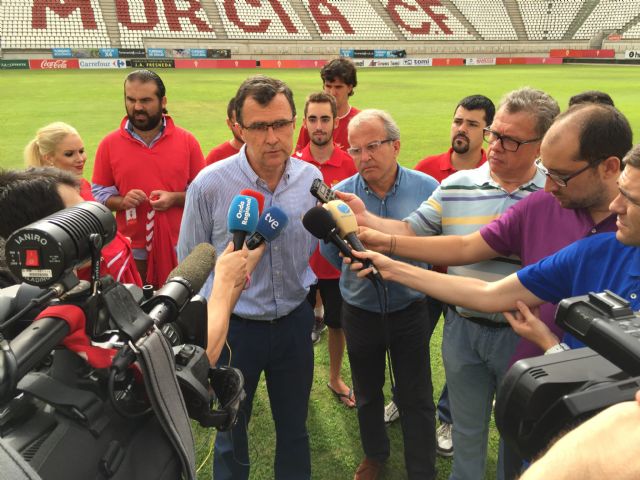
(407, 332)
(283, 350)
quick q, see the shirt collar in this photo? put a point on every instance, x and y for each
(634, 269)
(538, 180)
(129, 128)
(246, 168)
(392, 191)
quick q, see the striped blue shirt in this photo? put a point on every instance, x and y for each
(282, 278)
(464, 203)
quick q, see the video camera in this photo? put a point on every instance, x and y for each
(542, 397)
(118, 406)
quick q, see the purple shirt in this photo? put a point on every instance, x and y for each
(534, 228)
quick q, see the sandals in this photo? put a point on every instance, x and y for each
(343, 397)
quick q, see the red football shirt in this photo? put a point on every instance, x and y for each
(334, 170)
(340, 138)
(440, 167)
(222, 151)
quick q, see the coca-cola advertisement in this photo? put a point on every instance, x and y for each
(54, 64)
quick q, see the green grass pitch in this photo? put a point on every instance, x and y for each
(421, 100)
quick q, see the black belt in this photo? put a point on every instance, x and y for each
(486, 322)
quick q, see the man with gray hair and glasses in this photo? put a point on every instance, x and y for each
(394, 192)
(476, 347)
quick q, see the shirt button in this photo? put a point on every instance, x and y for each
(633, 296)
(275, 248)
(593, 230)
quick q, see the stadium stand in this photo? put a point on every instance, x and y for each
(308, 28)
(490, 18)
(261, 20)
(26, 26)
(608, 15)
(347, 20)
(420, 21)
(548, 20)
(156, 19)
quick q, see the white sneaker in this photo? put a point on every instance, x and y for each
(391, 413)
(444, 443)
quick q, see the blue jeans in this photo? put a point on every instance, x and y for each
(475, 360)
(283, 350)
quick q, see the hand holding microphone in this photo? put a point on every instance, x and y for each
(242, 218)
(347, 228)
(270, 225)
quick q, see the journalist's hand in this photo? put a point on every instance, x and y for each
(231, 267)
(374, 240)
(527, 324)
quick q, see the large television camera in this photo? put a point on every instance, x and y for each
(115, 401)
(544, 396)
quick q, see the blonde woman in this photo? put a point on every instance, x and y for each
(59, 145)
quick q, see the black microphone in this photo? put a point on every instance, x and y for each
(321, 224)
(184, 281)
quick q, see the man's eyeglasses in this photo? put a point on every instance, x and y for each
(560, 180)
(508, 143)
(371, 148)
(263, 127)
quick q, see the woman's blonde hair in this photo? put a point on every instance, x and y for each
(45, 143)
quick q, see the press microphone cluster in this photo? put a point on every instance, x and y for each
(244, 219)
(335, 222)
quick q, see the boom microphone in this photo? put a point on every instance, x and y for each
(242, 218)
(257, 195)
(271, 224)
(184, 282)
(46, 251)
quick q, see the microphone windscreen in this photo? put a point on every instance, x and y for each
(197, 266)
(271, 224)
(343, 216)
(243, 214)
(319, 222)
(257, 195)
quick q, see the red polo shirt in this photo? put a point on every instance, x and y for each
(340, 138)
(334, 170)
(221, 152)
(170, 164)
(440, 167)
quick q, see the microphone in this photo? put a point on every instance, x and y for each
(321, 224)
(270, 225)
(257, 195)
(242, 218)
(346, 223)
(184, 281)
(46, 251)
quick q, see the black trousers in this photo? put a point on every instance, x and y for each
(407, 334)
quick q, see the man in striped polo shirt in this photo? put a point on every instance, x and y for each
(476, 347)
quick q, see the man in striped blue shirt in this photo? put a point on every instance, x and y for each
(476, 347)
(270, 329)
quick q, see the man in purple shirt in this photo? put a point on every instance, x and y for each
(581, 155)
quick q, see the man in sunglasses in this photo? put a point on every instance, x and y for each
(476, 346)
(270, 329)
